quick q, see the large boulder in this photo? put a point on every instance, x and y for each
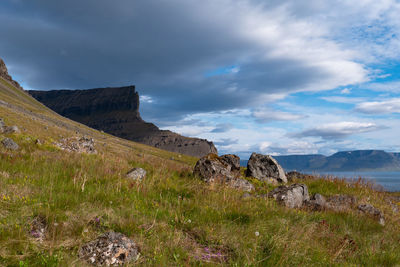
(317, 202)
(10, 144)
(225, 169)
(265, 168)
(77, 144)
(213, 168)
(293, 196)
(109, 249)
(373, 212)
(12, 129)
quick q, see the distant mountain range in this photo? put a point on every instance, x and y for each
(358, 160)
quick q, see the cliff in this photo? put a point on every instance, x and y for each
(116, 111)
(4, 74)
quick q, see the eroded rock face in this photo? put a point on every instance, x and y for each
(2, 125)
(108, 249)
(265, 168)
(293, 196)
(116, 111)
(8, 143)
(137, 174)
(373, 212)
(4, 74)
(77, 144)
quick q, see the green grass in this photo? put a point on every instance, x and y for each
(176, 219)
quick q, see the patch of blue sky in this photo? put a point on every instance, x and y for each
(223, 71)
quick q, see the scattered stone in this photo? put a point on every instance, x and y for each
(38, 228)
(212, 168)
(2, 126)
(108, 249)
(372, 211)
(293, 196)
(10, 144)
(265, 168)
(137, 174)
(317, 202)
(341, 203)
(241, 184)
(12, 129)
(172, 158)
(76, 144)
(38, 142)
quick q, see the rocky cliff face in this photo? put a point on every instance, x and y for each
(4, 74)
(116, 111)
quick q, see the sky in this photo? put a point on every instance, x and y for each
(276, 77)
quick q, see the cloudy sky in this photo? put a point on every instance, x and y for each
(277, 76)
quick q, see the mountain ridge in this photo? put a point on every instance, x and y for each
(355, 160)
(115, 110)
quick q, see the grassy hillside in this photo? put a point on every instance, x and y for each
(176, 219)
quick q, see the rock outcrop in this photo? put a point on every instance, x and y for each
(116, 111)
(108, 249)
(293, 196)
(224, 169)
(4, 74)
(265, 168)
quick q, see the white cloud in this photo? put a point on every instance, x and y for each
(345, 91)
(268, 115)
(380, 107)
(339, 130)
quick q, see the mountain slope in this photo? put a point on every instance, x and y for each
(358, 160)
(116, 111)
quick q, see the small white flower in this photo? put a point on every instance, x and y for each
(189, 221)
(257, 233)
(85, 230)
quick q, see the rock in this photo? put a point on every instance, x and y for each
(340, 203)
(2, 126)
(110, 248)
(232, 160)
(38, 142)
(372, 211)
(317, 202)
(241, 184)
(12, 129)
(38, 227)
(4, 74)
(76, 144)
(10, 144)
(137, 174)
(265, 168)
(212, 168)
(293, 196)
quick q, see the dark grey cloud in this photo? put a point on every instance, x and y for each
(165, 48)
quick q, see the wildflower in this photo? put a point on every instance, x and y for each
(189, 221)
(257, 233)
